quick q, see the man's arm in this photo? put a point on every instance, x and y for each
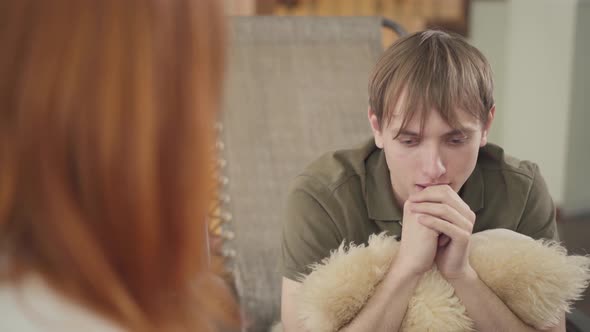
(483, 306)
(384, 311)
(450, 216)
(487, 311)
(538, 217)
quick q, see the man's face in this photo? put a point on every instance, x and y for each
(439, 155)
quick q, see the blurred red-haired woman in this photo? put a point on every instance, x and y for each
(106, 110)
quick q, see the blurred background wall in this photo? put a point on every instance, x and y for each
(540, 53)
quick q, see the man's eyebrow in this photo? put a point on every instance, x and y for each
(460, 131)
(405, 132)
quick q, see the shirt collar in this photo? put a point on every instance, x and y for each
(473, 190)
(381, 204)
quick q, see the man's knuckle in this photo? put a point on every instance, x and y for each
(447, 209)
(465, 235)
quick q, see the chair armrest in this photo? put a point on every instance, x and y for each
(577, 321)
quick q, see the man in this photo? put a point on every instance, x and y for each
(428, 176)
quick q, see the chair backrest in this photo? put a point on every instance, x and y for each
(296, 88)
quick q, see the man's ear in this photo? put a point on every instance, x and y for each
(487, 126)
(375, 127)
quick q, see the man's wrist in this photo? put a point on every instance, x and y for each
(463, 279)
(401, 272)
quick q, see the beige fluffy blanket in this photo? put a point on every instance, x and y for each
(536, 279)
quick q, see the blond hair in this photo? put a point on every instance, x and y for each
(431, 70)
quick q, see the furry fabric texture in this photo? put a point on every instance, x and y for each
(537, 280)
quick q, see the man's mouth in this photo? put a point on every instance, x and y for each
(423, 186)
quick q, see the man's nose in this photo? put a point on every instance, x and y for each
(433, 164)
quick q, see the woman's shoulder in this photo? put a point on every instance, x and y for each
(32, 306)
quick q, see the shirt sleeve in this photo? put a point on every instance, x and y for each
(309, 233)
(538, 218)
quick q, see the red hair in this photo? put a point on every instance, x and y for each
(106, 111)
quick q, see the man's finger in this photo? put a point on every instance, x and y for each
(443, 240)
(444, 194)
(443, 227)
(444, 212)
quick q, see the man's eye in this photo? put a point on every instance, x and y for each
(408, 141)
(457, 140)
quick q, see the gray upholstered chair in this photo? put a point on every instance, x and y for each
(296, 87)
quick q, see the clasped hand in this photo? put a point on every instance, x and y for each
(437, 227)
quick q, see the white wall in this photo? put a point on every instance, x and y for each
(537, 84)
(532, 45)
(487, 24)
(577, 184)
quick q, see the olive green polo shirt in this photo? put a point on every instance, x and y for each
(345, 196)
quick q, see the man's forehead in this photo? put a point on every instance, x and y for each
(418, 133)
(465, 122)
